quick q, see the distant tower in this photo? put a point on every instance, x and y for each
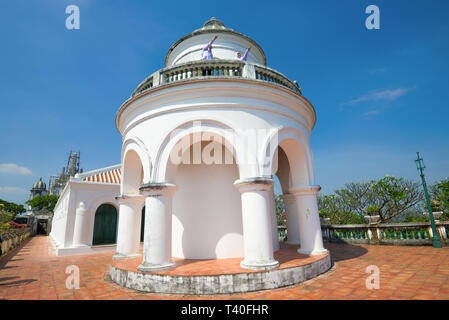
(39, 189)
(57, 184)
(73, 166)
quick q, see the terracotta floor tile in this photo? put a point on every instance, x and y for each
(405, 273)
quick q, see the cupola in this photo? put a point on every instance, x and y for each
(228, 43)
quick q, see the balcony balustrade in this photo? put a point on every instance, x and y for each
(417, 233)
(213, 69)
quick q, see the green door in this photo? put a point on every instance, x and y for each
(105, 226)
(142, 224)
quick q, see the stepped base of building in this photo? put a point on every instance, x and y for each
(220, 276)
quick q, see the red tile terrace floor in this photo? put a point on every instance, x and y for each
(287, 257)
(31, 272)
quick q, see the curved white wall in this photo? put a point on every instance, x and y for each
(225, 47)
(207, 218)
(207, 208)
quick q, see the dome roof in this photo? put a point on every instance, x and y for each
(39, 185)
(214, 26)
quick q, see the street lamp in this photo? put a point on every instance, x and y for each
(435, 237)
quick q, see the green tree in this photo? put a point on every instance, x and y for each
(11, 207)
(47, 202)
(440, 196)
(387, 197)
(334, 208)
(8, 210)
(280, 210)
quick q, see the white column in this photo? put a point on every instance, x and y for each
(274, 221)
(129, 219)
(81, 227)
(442, 230)
(158, 227)
(257, 223)
(291, 213)
(308, 220)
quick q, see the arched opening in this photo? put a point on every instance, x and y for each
(283, 171)
(282, 179)
(105, 225)
(132, 173)
(207, 221)
(290, 167)
(131, 221)
(142, 225)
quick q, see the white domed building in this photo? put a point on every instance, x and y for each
(39, 189)
(202, 140)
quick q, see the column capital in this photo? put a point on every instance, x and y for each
(305, 190)
(158, 189)
(82, 205)
(254, 184)
(288, 197)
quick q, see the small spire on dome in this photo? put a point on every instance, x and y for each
(214, 23)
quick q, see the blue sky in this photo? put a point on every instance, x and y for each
(380, 95)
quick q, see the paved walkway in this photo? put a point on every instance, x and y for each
(30, 272)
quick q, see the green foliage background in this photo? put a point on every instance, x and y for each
(47, 202)
(8, 210)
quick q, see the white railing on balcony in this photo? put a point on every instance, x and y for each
(416, 233)
(216, 69)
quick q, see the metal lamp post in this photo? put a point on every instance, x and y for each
(435, 237)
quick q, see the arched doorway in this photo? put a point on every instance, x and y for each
(207, 219)
(142, 225)
(282, 174)
(105, 225)
(290, 167)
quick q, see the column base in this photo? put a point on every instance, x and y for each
(120, 256)
(315, 252)
(259, 265)
(79, 246)
(151, 267)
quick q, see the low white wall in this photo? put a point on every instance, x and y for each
(59, 222)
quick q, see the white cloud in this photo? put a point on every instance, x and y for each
(384, 95)
(12, 190)
(13, 168)
(372, 113)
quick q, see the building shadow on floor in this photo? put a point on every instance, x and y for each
(344, 251)
(16, 283)
(8, 267)
(8, 257)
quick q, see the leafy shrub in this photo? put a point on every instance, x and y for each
(4, 226)
(416, 219)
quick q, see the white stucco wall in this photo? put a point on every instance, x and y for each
(92, 194)
(59, 222)
(207, 219)
(207, 213)
(217, 105)
(225, 47)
